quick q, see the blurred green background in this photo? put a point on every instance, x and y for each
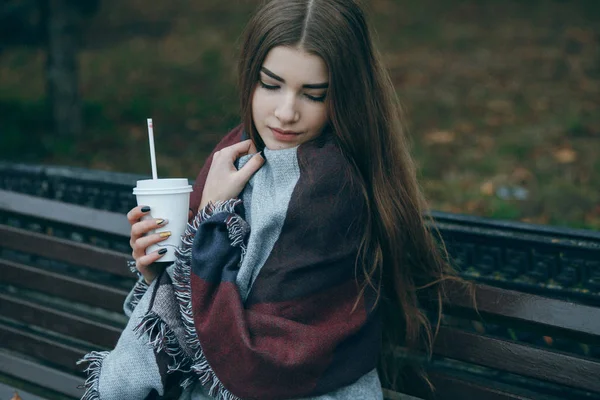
(502, 98)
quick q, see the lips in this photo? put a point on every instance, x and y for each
(285, 136)
(282, 132)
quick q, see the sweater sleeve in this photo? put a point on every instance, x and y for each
(131, 369)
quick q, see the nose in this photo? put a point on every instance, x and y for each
(287, 111)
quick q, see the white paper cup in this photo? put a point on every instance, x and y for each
(168, 199)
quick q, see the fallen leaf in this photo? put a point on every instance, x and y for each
(16, 396)
(487, 188)
(565, 155)
(493, 120)
(581, 35)
(193, 124)
(440, 137)
(500, 106)
(465, 127)
(522, 175)
(478, 326)
(472, 206)
(485, 143)
(136, 133)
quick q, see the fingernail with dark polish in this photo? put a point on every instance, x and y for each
(145, 209)
(162, 251)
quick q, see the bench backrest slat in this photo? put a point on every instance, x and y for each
(42, 348)
(519, 359)
(59, 321)
(64, 250)
(59, 285)
(576, 321)
(64, 213)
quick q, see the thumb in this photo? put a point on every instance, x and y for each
(251, 167)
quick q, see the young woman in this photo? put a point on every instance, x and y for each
(306, 236)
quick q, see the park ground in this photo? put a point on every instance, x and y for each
(502, 98)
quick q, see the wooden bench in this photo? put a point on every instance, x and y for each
(61, 288)
(475, 360)
(63, 279)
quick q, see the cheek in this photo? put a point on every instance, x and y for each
(254, 101)
(320, 117)
(260, 104)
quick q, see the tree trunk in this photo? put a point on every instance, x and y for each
(64, 26)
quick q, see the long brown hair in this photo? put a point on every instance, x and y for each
(399, 255)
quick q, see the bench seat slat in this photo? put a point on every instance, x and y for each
(42, 375)
(41, 348)
(59, 285)
(519, 359)
(392, 395)
(572, 320)
(64, 250)
(450, 387)
(59, 321)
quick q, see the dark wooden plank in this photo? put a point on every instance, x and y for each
(40, 347)
(59, 321)
(64, 250)
(66, 213)
(448, 387)
(477, 224)
(41, 375)
(519, 359)
(7, 392)
(392, 395)
(575, 321)
(59, 285)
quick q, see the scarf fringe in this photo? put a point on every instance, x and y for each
(95, 359)
(139, 289)
(183, 292)
(162, 338)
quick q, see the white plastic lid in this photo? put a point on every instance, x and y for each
(162, 186)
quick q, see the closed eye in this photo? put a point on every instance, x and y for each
(268, 87)
(318, 99)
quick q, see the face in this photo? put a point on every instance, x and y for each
(288, 104)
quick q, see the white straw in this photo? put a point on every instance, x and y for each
(152, 153)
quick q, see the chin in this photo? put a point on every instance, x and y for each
(275, 145)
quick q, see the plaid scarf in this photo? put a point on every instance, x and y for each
(280, 320)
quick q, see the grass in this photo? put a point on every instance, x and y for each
(500, 96)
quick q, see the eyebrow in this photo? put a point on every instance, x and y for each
(307, 86)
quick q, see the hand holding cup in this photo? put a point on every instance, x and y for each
(141, 239)
(158, 200)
